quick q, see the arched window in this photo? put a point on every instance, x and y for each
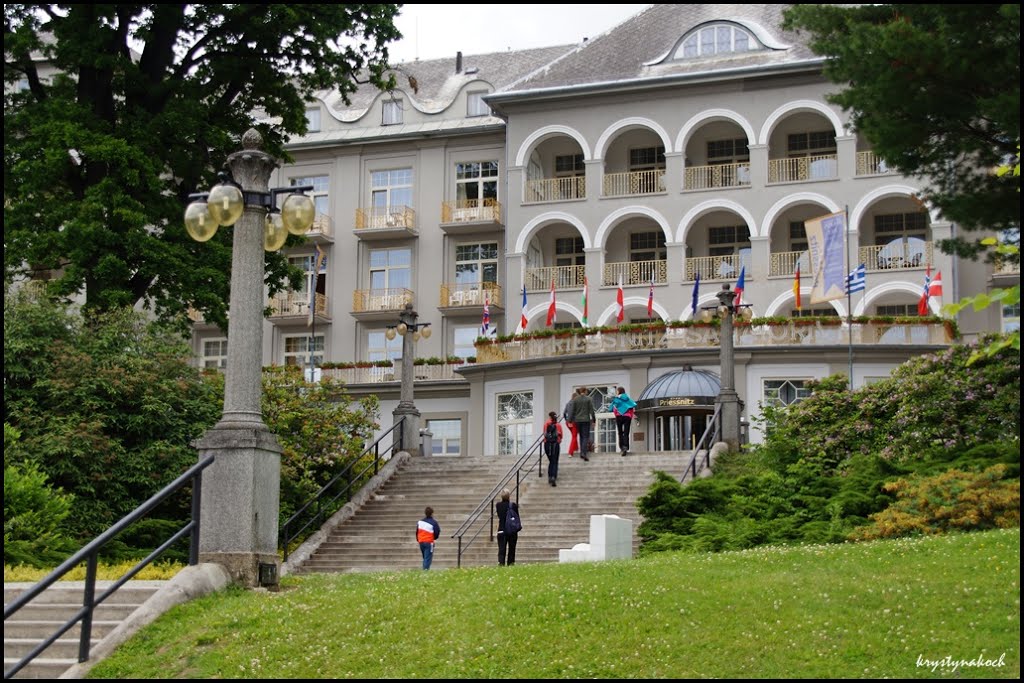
(716, 39)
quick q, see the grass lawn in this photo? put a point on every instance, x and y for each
(940, 607)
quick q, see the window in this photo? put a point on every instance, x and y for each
(475, 183)
(296, 349)
(475, 105)
(896, 310)
(476, 263)
(215, 353)
(728, 151)
(392, 112)
(447, 437)
(797, 236)
(814, 312)
(903, 237)
(784, 392)
(647, 246)
(605, 435)
(320, 184)
(390, 190)
(716, 39)
(811, 144)
(515, 422)
(313, 281)
(901, 224)
(727, 240)
(379, 347)
(569, 166)
(647, 158)
(464, 339)
(1011, 318)
(313, 120)
(569, 251)
(391, 268)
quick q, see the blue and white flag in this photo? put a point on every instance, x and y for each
(856, 280)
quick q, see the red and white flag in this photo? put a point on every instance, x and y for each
(620, 314)
(551, 306)
(922, 304)
(650, 299)
(935, 286)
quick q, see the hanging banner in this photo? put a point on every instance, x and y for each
(826, 245)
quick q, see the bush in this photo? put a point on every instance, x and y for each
(33, 514)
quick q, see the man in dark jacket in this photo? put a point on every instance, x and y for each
(585, 418)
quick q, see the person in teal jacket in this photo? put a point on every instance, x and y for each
(624, 409)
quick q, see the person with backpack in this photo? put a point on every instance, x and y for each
(506, 537)
(567, 414)
(427, 533)
(552, 446)
(624, 409)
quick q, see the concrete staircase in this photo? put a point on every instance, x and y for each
(39, 619)
(380, 536)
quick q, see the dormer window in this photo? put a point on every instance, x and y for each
(312, 120)
(716, 39)
(392, 112)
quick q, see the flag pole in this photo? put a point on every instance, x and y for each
(849, 295)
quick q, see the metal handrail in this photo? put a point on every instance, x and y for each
(488, 501)
(90, 554)
(284, 539)
(712, 432)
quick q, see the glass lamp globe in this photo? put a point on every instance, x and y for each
(274, 234)
(225, 203)
(416, 335)
(199, 223)
(402, 329)
(426, 332)
(297, 212)
(746, 313)
(390, 333)
(705, 315)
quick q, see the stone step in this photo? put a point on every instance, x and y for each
(41, 668)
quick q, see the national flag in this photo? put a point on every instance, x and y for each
(796, 287)
(650, 299)
(739, 287)
(485, 326)
(523, 322)
(922, 304)
(620, 313)
(318, 260)
(696, 294)
(935, 287)
(856, 281)
(551, 306)
(584, 302)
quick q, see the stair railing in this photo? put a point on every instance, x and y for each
(712, 434)
(323, 502)
(523, 467)
(90, 555)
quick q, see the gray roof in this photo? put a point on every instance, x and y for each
(685, 383)
(640, 48)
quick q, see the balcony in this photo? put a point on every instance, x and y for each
(635, 273)
(869, 163)
(803, 169)
(385, 223)
(470, 297)
(470, 215)
(424, 372)
(294, 307)
(702, 336)
(783, 263)
(633, 183)
(564, 277)
(379, 304)
(713, 267)
(555, 189)
(717, 176)
(897, 255)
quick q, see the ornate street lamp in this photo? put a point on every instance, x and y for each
(728, 401)
(241, 490)
(410, 331)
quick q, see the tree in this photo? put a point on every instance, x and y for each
(142, 107)
(936, 90)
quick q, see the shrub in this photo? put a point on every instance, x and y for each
(33, 514)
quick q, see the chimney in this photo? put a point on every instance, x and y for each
(458, 62)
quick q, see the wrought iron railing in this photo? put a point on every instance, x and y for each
(701, 457)
(716, 176)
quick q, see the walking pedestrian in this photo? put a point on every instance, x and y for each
(585, 418)
(624, 409)
(506, 541)
(427, 532)
(552, 446)
(567, 414)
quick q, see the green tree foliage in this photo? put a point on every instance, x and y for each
(129, 108)
(935, 88)
(33, 513)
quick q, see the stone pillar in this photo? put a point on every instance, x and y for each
(406, 407)
(728, 400)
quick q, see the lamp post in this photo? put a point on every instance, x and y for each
(241, 490)
(410, 331)
(728, 401)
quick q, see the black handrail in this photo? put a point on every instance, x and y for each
(90, 554)
(712, 433)
(488, 501)
(352, 479)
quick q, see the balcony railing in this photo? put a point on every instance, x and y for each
(1004, 266)
(296, 303)
(714, 267)
(472, 294)
(555, 189)
(444, 372)
(383, 217)
(369, 300)
(565, 277)
(792, 333)
(635, 273)
(471, 211)
(633, 183)
(784, 263)
(869, 163)
(900, 256)
(718, 175)
(820, 167)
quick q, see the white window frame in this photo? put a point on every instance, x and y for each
(716, 39)
(463, 338)
(480, 262)
(321, 185)
(296, 349)
(441, 442)
(393, 112)
(214, 358)
(475, 105)
(379, 347)
(514, 433)
(482, 174)
(1010, 318)
(771, 395)
(313, 120)
(391, 189)
(386, 269)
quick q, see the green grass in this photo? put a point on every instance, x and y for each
(840, 611)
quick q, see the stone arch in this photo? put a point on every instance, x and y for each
(616, 216)
(531, 228)
(884, 193)
(628, 124)
(793, 200)
(714, 205)
(541, 134)
(700, 119)
(800, 105)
